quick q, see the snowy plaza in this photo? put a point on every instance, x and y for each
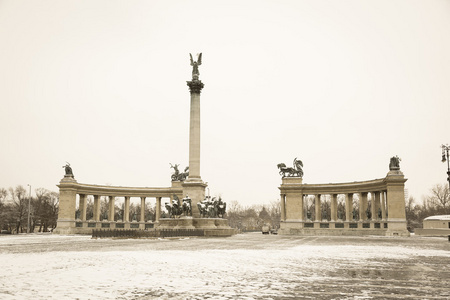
(244, 266)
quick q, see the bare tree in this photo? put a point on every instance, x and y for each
(439, 199)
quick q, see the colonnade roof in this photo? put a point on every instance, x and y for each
(375, 185)
(120, 191)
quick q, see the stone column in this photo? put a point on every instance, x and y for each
(362, 206)
(348, 207)
(126, 209)
(383, 205)
(318, 210)
(283, 207)
(83, 206)
(96, 208)
(195, 87)
(375, 200)
(158, 209)
(142, 209)
(334, 208)
(193, 186)
(111, 208)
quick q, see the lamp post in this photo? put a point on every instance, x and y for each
(445, 149)
(29, 210)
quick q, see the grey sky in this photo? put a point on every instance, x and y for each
(342, 85)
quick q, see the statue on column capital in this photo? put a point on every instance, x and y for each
(394, 164)
(195, 64)
(195, 85)
(68, 170)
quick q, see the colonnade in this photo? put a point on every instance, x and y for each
(386, 215)
(111, 209)
(377, 210)
(69, 188)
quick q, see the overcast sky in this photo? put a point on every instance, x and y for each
(341, 85)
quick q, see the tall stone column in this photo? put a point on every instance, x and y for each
(362, 206)
(334, 207)
(83, 206)
(318, 208)
(96, 208)
(126, 209)
(142, 209)
(158, 209)
(111, 208)
(194, 187)
(375, 202)
(348, 207)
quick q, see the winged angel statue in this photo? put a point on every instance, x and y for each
(195, 64)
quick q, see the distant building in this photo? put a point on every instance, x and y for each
(435, 226)
(433, 222)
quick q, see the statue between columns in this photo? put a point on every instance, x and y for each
(178, 208)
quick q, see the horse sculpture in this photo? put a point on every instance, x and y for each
(296, 171)
(212, 208)
(177, 176)
(187, 206)
(176, 209)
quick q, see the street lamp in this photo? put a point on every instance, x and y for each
(29, 210)
(445, 149)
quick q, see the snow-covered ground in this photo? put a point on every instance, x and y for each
(245, 266)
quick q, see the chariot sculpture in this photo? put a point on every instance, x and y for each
(176, 175)
(296, 171)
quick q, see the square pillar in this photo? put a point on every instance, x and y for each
(283, 207)
(294, 206)
(383, 205)
(395, 201)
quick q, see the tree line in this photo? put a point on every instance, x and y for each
(16, 204)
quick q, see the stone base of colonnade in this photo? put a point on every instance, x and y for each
(211, 226)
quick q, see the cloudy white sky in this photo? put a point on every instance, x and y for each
(342, 85)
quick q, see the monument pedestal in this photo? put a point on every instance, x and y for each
(196, 191)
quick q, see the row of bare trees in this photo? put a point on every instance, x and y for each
(436, 203)
(253, 217)
(14, 204)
